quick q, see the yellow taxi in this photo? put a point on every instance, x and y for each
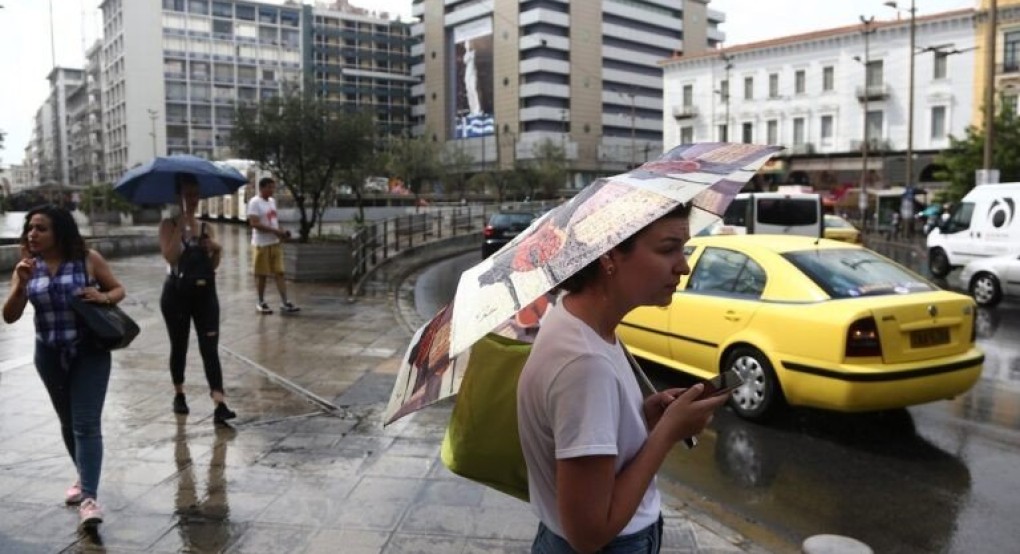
(838, 228)
(810, 322)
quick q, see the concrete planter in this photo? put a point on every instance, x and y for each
(318, 261)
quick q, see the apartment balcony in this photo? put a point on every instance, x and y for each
(685, 112)
(802, 149)
(873, 92)
(1008, 67)
(874, 145)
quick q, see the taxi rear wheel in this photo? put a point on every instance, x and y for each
(760, 397)
(985, 289)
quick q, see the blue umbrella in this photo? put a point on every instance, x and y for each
(155, 182)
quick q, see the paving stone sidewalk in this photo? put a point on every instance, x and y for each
(308, 466)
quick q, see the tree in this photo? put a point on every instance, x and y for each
(548, 170)
(305, 144)
(965, 156)
(456, 163)
(415, 160)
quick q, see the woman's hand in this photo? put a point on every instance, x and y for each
(687, 415)
(657, 403)
(92, 294)
(22, 273)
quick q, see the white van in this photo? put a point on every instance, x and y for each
(775, 213)
(982, 225)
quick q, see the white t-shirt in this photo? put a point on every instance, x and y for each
(265, 210)
(578, 396)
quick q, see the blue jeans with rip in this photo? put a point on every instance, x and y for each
(645, 541)
(78, 393)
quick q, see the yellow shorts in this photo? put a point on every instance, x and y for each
(267, 260)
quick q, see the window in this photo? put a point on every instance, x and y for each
(799, 81)
(727, 272)
(827, 125)
(874, 74)
(686, 135)
(222, 9)
(225, 28)
(688, 95)
(747, 133)
(874, 122)
(723, 135)
(798, 131)
(939, 67)
(268, 75)
(772, 131)
(246, 13)
(828, 78)
(199, 7)
(748, 88)
(724, 90)
(1011, 51)
(173, 5)
(773, 85)
(938, 122)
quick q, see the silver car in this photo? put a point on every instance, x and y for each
(990, 279)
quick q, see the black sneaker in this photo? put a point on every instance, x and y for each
(288, 308)
(180, 406)
(223, 413)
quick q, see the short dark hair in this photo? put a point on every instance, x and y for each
(265, 182)
(184, 178)
(66, 235)
(584, 276)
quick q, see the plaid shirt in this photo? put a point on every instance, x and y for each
(55, 322)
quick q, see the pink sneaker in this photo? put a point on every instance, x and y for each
(73, 494)
(90, 512)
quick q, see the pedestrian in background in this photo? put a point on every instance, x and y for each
(267, 252)
(591, 442)
(55, 265)
(189, 295)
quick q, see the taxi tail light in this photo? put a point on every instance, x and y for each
(489, 231)
(862, 339)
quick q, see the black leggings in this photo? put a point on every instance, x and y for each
(180, 305)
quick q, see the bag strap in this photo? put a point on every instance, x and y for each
(643, 380)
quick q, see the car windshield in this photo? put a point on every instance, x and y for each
(510, 221)
(849, 273)
(837, 223)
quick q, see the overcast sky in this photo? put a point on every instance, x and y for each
(26, 59)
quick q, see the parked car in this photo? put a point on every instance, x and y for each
(837, 228)
(502, 228)
(989, 279)
(810, 322)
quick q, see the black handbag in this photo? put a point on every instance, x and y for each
(109, 328)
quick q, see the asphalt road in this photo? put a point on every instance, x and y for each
(940, 477)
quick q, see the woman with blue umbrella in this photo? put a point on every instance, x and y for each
(189, 295)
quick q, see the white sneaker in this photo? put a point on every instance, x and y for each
(90, 512)
(263, 308)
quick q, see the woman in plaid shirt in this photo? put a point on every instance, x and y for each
(56, 264)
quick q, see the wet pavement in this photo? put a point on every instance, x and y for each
(307, 467)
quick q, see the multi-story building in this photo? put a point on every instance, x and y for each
(190, 62)
(360, 61)
(1005, 79)
(53, 127)
(84, 107)
(820, 93)
(498, 78)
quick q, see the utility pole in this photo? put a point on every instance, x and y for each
(990, 34)
(862, 200)
(725, 93)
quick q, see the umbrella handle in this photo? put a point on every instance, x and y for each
(646, 383)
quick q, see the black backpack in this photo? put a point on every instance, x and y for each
(194, 267)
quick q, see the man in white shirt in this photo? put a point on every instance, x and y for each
(267, 252)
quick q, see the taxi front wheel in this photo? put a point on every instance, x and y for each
(761, 396)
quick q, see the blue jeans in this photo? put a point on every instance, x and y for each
(78, 394)
(645, 541)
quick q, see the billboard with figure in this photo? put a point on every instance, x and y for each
(473, 52)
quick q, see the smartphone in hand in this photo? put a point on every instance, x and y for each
(722, 383)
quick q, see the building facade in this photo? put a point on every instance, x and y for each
(360, 61)
(1005, 78)
(496, 79)
(84, 106)
(819, 94)
(189, 63)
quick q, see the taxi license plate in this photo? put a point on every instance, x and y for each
(929, 337)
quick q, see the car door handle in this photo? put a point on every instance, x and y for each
(731, 316)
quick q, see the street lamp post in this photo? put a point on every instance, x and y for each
(153, 114)
(862, 201)
(910, 105)
(724, 92)
(990, 34)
